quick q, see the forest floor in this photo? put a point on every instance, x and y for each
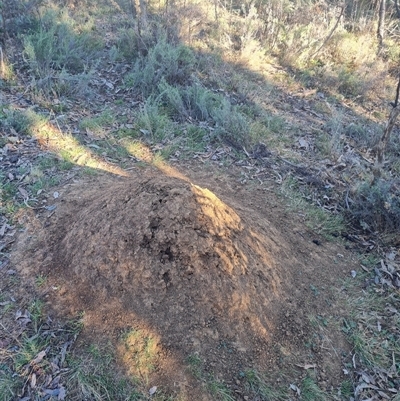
(173, 270)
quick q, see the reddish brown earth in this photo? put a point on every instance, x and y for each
(224, 273)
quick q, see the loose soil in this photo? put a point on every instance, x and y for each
(223, 273)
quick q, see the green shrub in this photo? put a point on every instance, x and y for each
(153, 122)
(59, 55)
(163, 62)
(192, 101)
(231, 125)
(22, 121)
(350, 82)
(377, 207)
(19, 16)
(58, 46)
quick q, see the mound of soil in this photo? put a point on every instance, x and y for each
(161, 254)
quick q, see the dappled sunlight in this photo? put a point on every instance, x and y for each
(69, 148)
(143, 153)
(139, 351)
(6, 70)
(139, 150)
(221, 214)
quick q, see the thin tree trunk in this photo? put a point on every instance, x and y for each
(141, 15)
(396, 3)
(383, 142)
(381, 23)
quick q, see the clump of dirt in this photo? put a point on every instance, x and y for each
(165, 256)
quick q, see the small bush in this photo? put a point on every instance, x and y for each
(153, 122)
(350, 83)
(192, 101)
(231, 125)
(364, 134)
(377, 207)
(57, 45)
(59, 55)
(165, 61)
(19, 16)
(23, 122)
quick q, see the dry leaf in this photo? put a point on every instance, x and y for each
(3, 230)
(38, 358)
(33, 380)
(109, 85)
(62, 393)
(383, 395)
(303, 143)
(23, 192)
(12, 139)
(51, 392)
(296, 389)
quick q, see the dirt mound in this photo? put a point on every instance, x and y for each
(166, 256)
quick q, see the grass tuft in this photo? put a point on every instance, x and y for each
(310, 390)
(257, 386)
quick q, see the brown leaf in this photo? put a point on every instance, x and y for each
(109, 85)
(12, 139)
(38, 358)
(33, 380)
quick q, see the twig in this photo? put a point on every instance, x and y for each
(347, 199)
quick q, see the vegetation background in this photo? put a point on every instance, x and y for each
(307, 84)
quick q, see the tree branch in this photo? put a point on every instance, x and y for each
(330, 34)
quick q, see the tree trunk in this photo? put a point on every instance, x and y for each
(141, 15)
(383, 142)
(396, 3)
(381, 24)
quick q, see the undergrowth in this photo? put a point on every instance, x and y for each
(376, 207)
(61, 55)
